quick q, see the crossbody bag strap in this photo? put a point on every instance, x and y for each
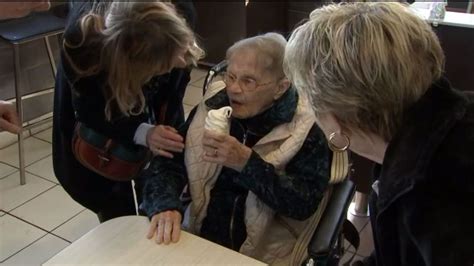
(163, 110)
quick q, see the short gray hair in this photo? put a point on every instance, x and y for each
(366, 63)
(270, 48)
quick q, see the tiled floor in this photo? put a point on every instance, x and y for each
(362, 224)
(39, 219)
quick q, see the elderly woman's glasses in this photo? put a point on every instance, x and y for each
(246, 84)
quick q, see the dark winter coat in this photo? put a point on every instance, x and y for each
(424, 213)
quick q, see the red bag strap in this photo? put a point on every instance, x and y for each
(163, 109)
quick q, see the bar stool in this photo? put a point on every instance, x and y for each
(23, 30)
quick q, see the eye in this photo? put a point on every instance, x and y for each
(249, 82)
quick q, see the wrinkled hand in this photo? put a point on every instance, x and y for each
(166, 226)
(225, 150)
(162, 140)
(18, 9)
(9, 118)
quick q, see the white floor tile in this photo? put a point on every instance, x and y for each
(366, 245)
(46, 135)
(7, 139)
(366, 241)
(16, 235)
(78, 225)
(197, 76)
(35, 149)
(6, 170)
(12, 194)
(44, 168)
(192, 96)
(39, 252)
(199, 82)
(50, 209)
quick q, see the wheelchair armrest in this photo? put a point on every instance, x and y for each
(330, 225)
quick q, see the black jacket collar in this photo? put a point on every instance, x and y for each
(425, 125)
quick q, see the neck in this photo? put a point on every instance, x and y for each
(370, 146)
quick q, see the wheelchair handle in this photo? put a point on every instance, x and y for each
(220, 67)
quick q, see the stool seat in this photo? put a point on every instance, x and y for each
(31, 27)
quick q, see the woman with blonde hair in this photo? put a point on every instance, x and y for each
(124, 66)
(374, 72)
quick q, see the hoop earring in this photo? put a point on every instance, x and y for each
(340, 159)
(334, 147)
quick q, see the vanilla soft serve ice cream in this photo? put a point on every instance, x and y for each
(219, 120)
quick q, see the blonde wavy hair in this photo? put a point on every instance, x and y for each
(130, 42)
(366, 63)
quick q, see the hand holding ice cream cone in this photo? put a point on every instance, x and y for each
(219, 146)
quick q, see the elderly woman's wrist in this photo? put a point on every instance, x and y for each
(252, 168)
(246, 153)
(159, 209)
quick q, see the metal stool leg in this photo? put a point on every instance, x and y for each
(50, 55)
(19, 107)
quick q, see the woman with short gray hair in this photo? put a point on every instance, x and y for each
(374, 74)
(261, 188)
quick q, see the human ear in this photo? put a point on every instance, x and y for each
(283, 85)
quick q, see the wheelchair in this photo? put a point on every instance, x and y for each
(326, 247)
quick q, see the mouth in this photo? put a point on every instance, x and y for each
(235, 103)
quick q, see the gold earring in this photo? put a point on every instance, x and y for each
(340, 159)
(334, 147)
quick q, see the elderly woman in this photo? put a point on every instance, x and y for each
(256, 189)
(374, 74)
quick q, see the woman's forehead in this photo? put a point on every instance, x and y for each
(247, 62)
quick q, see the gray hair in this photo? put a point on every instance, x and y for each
(270, 48)
(365, 63)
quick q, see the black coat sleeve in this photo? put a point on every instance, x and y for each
(295, 193)
(165, 180)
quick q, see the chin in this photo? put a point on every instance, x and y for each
(239, 111)
(239, 115)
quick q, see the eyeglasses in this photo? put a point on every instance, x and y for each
(246, 84)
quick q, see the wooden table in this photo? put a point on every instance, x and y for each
(123, 241)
